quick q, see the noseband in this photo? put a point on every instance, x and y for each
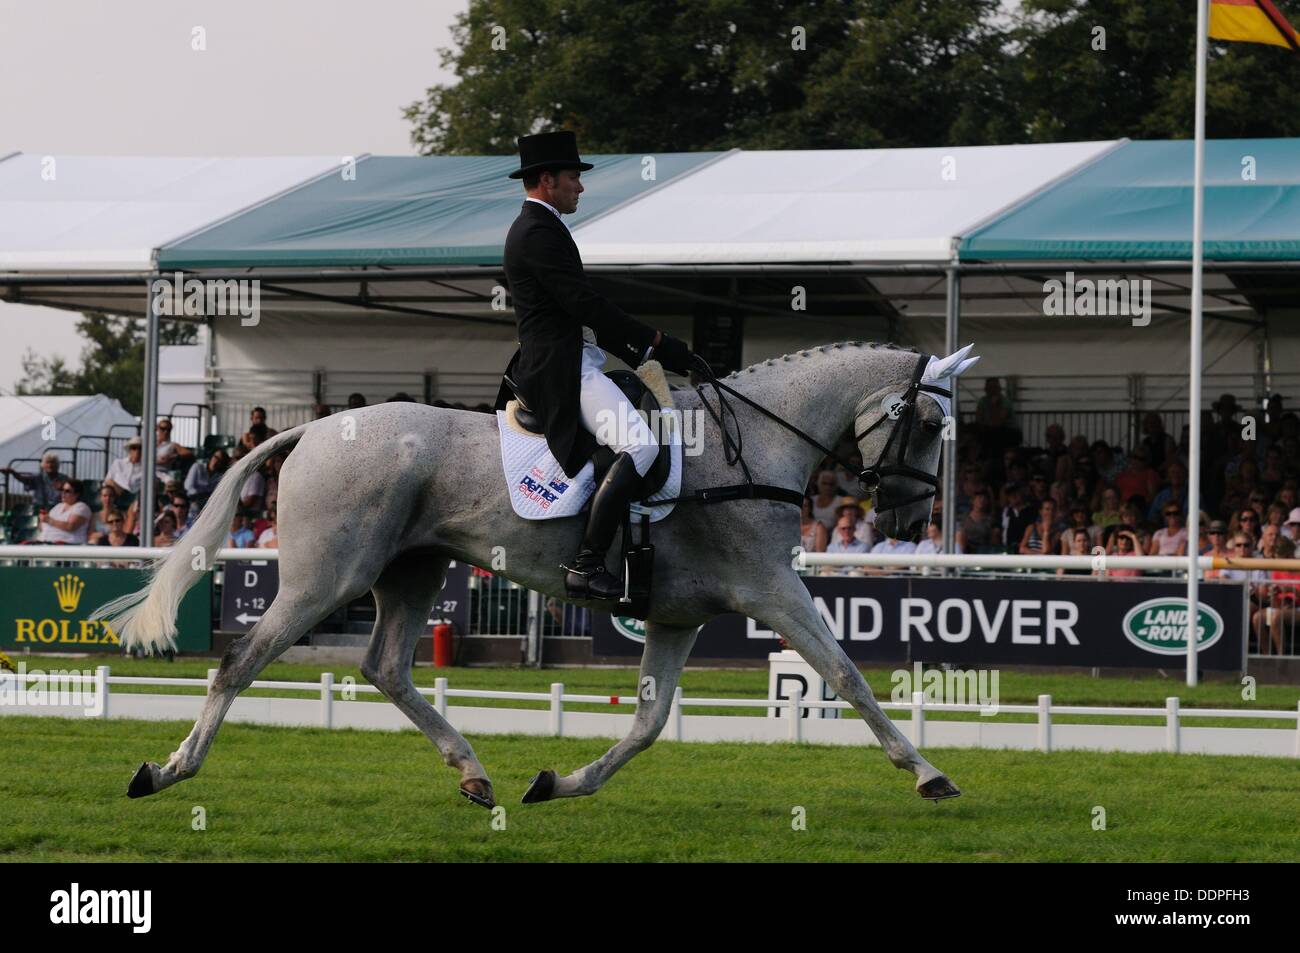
(872, 477)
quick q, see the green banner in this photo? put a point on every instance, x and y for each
(47, 610)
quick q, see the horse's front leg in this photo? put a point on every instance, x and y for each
(666, 651)
(791, 612)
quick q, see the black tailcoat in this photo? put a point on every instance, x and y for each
(552, 302)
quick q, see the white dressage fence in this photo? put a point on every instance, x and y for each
(1169, 733)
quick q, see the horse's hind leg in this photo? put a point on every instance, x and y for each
(666, 651)
(404, 594)
(289, 617)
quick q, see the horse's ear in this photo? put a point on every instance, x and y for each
(949, 366)
(966, 365)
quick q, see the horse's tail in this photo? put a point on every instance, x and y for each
(147, 619)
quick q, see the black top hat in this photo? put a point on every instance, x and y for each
(548, 150)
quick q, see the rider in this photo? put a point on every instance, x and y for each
(565, 328)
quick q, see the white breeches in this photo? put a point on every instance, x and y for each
(607, 413)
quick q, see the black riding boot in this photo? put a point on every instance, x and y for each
(587, 577)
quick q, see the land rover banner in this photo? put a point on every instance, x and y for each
(47, 610)
(1129, 623)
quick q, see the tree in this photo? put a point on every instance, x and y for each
(645, 75)
(716, 74)
(112, 362)
(46, 375)
(1104, 69)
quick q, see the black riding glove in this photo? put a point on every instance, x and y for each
(674, 355)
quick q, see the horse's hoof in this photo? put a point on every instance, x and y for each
(936, 789)
(540, 788)
(142, 784)
(479, 790)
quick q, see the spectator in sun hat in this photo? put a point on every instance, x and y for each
(44, 483)
(862, 528)
(1218, 534)
(1226, 407)
(1291, 528)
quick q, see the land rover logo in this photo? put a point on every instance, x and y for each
(1160, 626)
(629, 627)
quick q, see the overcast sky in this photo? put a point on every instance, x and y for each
(278, 77)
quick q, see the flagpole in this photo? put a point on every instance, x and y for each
(1194, 397)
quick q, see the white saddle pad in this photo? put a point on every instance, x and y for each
(539, 489)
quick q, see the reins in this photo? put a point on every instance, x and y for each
(869, 477)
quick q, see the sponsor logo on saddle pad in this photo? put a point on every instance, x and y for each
(1160, 626)
(536, 492)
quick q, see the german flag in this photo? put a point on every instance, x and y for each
(1252, 21)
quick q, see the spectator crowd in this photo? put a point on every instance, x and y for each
(1076, 496)
(1071, 495)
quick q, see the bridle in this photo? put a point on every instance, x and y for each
(870, 477)
(903, 416)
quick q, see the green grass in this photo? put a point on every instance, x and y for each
(274, 794)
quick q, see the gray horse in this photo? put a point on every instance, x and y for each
(384, 497)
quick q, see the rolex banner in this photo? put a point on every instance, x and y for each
(974, 622)
(48, 610)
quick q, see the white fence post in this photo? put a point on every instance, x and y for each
(1172, 740)
(327, 699)
(675, 716)
(1044, 722)
(557, 709)
(795, 699)
(440, 695)
(1297, 730)
(101, 690)
(212, 677)
(918, 719)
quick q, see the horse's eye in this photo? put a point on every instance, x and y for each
(932, 427)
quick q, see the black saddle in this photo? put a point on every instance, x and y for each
(642, 398)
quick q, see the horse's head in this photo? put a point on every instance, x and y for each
(900, 430)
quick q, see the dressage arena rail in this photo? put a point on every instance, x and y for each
(325, 711)
(804, 560)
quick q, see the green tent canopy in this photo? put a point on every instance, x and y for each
(439, 210)
(1136, 203)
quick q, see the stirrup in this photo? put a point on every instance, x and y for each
(581, 588)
